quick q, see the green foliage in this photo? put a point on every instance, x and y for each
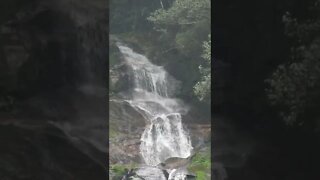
(203, 88)
(202, 160)
(113, 133)
(120, 169)
(207, 50)
(129, 16)
(186, 25)
(187, 21)
(303, 32)
(201, 165)
(171, 35)
(182, 12)
(201, 175)
(294, 86)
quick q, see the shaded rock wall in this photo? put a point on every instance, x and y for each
(53, 60)
(52, 44)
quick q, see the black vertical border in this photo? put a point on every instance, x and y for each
(107, 85)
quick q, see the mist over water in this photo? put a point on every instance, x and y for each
(152, 95)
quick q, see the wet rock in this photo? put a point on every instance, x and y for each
(119, 81)
(45, 45)
(152, 173)
(42, 152)
(231, 148)
(175, 162)
(48, 50)
(219, 172)
(126, 126)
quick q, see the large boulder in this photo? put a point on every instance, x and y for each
(42, 152)
(126, 126)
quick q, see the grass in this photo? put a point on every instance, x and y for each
(119, 169)
(113, 133)
(201, 175)
(201, 165)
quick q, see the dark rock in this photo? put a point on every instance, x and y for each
(43, 152)
(49, 52)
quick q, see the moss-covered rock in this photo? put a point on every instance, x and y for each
(201, 164)
(116, 171)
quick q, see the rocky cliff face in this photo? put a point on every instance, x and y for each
(48, 45)
(52, 49)
(53, 57)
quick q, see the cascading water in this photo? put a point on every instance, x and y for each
(164, 136)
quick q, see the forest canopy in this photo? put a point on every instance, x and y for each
(173, 33)
(294, 85)
(186, 20)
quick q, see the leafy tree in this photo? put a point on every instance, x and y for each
(130, 16)
(184, 26)
(203, 88)
(173, 32)
(182, 12)
(187, 22)
(294, 86)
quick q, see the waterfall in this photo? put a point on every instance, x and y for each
(152, 96)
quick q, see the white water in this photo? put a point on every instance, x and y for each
(164, 135)
(151, 173)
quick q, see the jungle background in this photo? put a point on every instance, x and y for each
(177, 36)
(265, 77)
